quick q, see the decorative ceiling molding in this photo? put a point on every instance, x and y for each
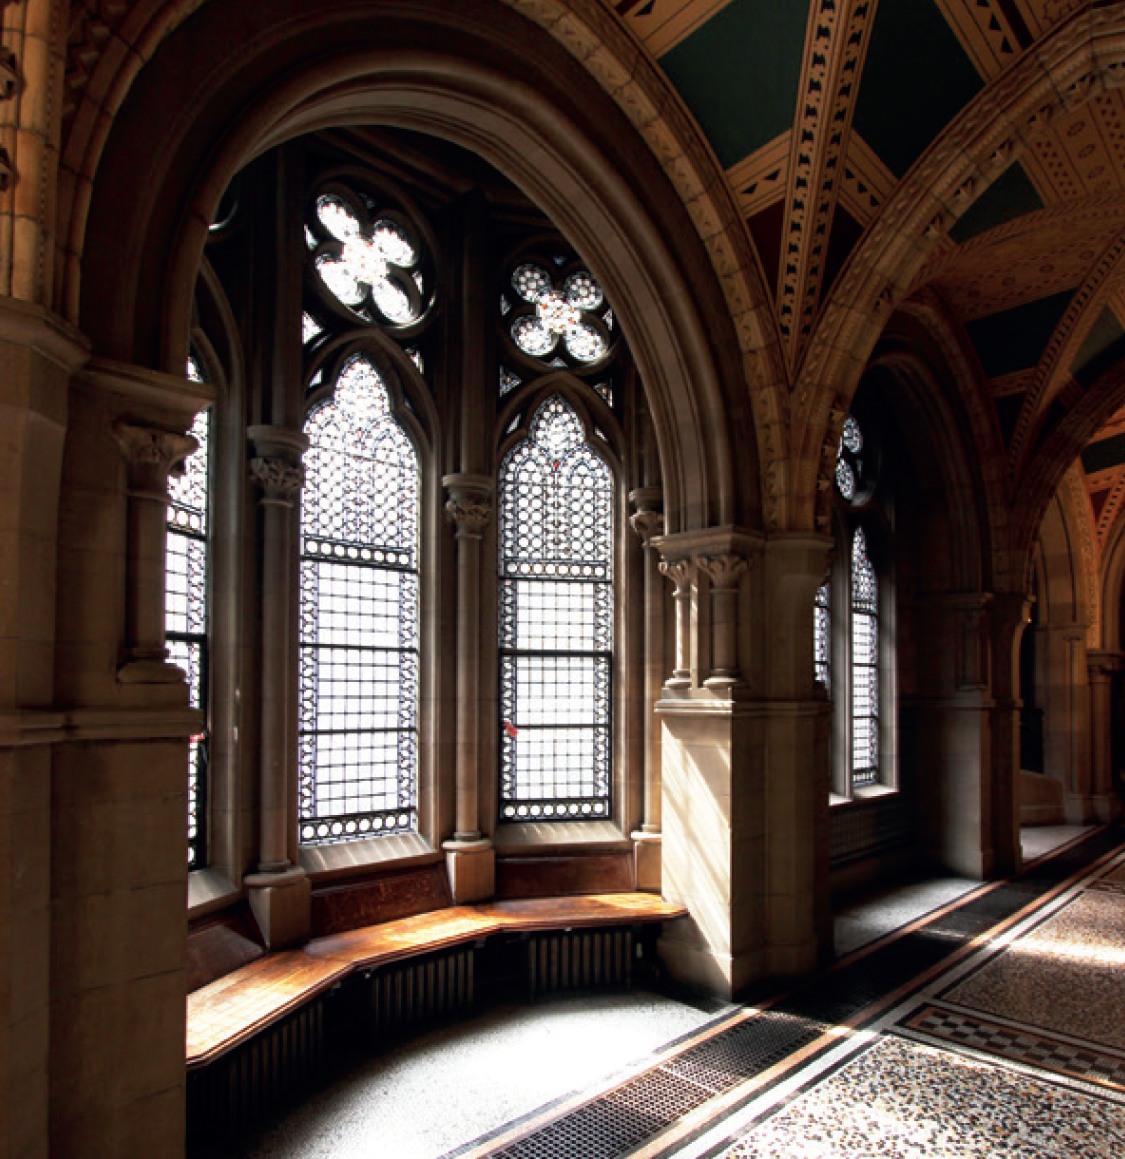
(662, 24)
(1083, 57)
(866, 181)
(835, 45)
(985, 31)
(1054, 370)
(760, 179)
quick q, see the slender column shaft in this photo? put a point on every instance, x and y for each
(152, 455)
(648, 522)
(279, 474)
(469, 507)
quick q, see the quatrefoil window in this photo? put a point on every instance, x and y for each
(369, 262)
(571, 319)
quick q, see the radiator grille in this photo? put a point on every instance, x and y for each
(254, 1078)
(579, 960)
(420, 990)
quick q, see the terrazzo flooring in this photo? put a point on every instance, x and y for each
(1014, 1047)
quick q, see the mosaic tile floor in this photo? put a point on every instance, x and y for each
(994, 1026)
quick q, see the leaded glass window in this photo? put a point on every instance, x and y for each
(368, 257)
(558, 316)
(359, 652)
(822, 637)
(555, 511)
(865, 664)
(185, 608)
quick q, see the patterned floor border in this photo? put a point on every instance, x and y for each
(698, 1097)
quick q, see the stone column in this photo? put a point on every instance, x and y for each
(1009, 614)
(279, 890)
(151, 455)
(1102, 666)
(648, 522)
(946, 729)
(724, 572)
(470, 857)
(745, 762)
(682, 574)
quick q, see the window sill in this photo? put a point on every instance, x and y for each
(209, 890)
(859, 796)
(350, 857)
(532, 837)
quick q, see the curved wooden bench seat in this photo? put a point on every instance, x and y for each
(231, 1010)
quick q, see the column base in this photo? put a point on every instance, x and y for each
(150, 672)
(282, 906)
(472, 869)
(647, 858)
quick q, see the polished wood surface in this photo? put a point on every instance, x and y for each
(235, 1008)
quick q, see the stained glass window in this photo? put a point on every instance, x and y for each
(368, 261)
(185, 609)
(358, 725)
(563, 323)
(555, 513)
(822, 638)
(865, 664)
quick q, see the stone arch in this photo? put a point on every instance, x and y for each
(506, 91)
(1083, 56)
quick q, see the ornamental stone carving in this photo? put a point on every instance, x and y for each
(152, 455)
(469, 516)
(647, 525)
(680, 572)
(724, 571)
(280, 479)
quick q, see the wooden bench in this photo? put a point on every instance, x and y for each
(234, 1009)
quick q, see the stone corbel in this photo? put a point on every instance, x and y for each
(151, 455)
(469, 506)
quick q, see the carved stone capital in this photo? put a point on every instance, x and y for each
(151, 455)
(680, 572)
(724, 571)
(469, 516)
(647, 524)
(280, 479)
(469, 505)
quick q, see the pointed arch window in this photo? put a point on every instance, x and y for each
(555, 508)
(359, 649)
(186, 612)
(850, 621)
(865, 664)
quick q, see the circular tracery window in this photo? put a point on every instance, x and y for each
(368, 258)
(560, 317)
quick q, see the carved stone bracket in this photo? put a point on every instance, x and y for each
(469, 505)
(280, 480)
(647, 520)
(276, 467)
(152, 455)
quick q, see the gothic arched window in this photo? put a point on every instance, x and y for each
(556, 622)
(186, 596)
(849, 625)
(358, 730)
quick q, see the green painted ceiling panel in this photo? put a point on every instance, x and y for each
(916, 79)
(1104, 346)
(1102, 455)
(739, 73)
(1014, 339)
(1010, 196)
